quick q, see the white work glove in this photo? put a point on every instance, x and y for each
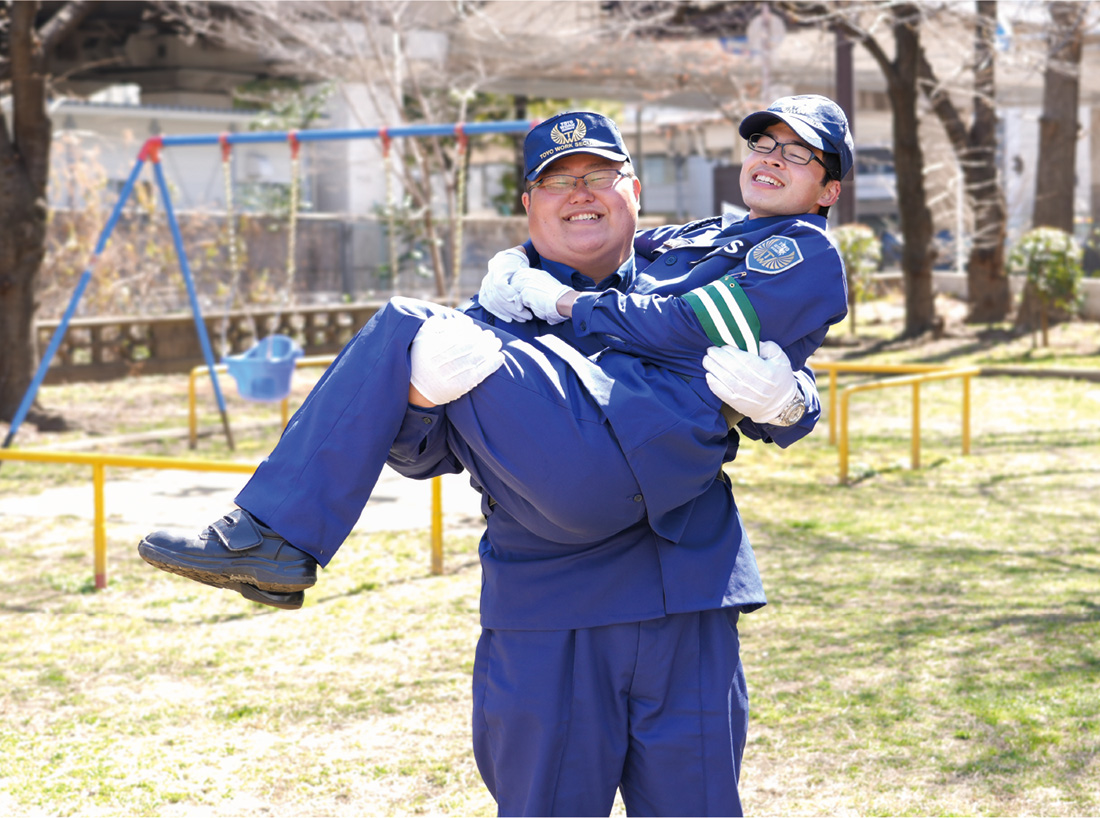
(540, 292)
(757, 386)
(450, 355)
(497, 294)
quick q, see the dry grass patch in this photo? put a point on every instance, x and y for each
(161, 696)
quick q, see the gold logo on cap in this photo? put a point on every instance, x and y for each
(568, 132)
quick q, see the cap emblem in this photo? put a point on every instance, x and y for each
(568, 132)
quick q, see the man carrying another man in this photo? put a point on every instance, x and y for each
(609, 656)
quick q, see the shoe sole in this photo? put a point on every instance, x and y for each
(233, 576)
(287, 601)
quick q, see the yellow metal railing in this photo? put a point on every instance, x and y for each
(833, 367)
(839, 400)
(284, 404)
(99, 462)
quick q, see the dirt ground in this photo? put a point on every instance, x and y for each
(879, 325)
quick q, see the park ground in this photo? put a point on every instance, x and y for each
(931, 645)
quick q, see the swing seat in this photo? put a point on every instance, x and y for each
(264, 373)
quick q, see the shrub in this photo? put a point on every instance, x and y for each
(861, 251)
(1051, 260)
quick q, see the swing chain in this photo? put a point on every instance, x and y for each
(292, 227)
(391, 205)
(234, 249)
(460, 198)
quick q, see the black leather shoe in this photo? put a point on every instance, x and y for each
(234, 552)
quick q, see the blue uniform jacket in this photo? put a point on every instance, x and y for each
(692, 553)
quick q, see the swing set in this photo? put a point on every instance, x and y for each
(264, 372)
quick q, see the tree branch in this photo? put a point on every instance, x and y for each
(942, 103)
(842, 18)
(65, 22)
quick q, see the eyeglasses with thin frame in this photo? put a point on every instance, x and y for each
(792, 151)
(561, 183)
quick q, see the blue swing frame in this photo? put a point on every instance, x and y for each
(150, 153)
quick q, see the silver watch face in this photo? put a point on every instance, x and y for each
(794, 411)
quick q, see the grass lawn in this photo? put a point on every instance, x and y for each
(931, 646)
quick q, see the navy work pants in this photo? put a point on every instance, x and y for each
(658, 709)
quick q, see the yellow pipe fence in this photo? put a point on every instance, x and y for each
(912, 375)
(99, 462)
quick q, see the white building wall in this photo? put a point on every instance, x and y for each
(351, 174)
(106, 139)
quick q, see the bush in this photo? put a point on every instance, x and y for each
(861, 252)
(1051, 260)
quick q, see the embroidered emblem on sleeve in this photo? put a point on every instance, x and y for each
(726, 314)
(773, 255)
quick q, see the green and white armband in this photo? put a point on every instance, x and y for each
(726, 314)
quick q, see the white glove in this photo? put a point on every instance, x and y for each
(497, 294)
(757, 386)
(450, 355)
(540, 292)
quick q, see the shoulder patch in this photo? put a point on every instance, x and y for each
(773, 255)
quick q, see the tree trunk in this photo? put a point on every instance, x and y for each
(21, 251)
(1055, 176)
(1056, 173)
(987, 285)
(24, 170)
(915, 216)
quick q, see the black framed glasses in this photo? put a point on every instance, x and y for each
(795, 152)
(561, 183)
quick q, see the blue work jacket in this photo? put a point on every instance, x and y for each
(692, 553)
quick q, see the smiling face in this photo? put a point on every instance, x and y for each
(591, 231)
(772, 185)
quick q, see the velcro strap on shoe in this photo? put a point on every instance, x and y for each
(237, 531)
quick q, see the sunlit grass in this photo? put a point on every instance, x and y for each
(930, 646)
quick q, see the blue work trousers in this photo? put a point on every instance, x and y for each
(530, 435)
(657, 709)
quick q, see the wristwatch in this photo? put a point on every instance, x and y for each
(790, 414)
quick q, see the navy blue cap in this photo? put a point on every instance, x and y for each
(568, 133)
(817, 120)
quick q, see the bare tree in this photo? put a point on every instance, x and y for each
(911, 74)
(976, 151)
(902, 72)
(1058, 126)
(1059, 129)
(27, 38)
